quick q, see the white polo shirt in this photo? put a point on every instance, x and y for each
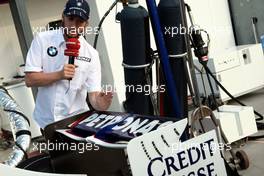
(53, 102)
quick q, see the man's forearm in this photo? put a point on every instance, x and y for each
(40, 79)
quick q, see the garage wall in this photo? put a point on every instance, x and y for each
(110, 48)
(214, 17)
(243, 11)
(42, 12)
(10, 52)
(207, 13)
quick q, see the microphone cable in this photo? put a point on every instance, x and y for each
(102, 21)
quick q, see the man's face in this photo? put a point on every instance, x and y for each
(73, 25)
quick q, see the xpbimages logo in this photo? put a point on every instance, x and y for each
(141, 89)
(82, 30)
(80, 147)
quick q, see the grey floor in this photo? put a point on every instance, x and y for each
(4, 154)
(254, 149)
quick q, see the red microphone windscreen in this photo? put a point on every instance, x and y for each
(73, 43)
(71, 52)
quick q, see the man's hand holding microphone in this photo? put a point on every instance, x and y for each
(72, 50)
(99, 100)
(41, 79)
(68, 71)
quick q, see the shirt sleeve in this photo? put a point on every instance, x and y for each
(93, 82)
(34, 56)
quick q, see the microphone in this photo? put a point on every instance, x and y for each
(72, 49)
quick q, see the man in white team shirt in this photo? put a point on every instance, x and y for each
(47, 68)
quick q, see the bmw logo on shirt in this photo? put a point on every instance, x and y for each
(52, 51)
